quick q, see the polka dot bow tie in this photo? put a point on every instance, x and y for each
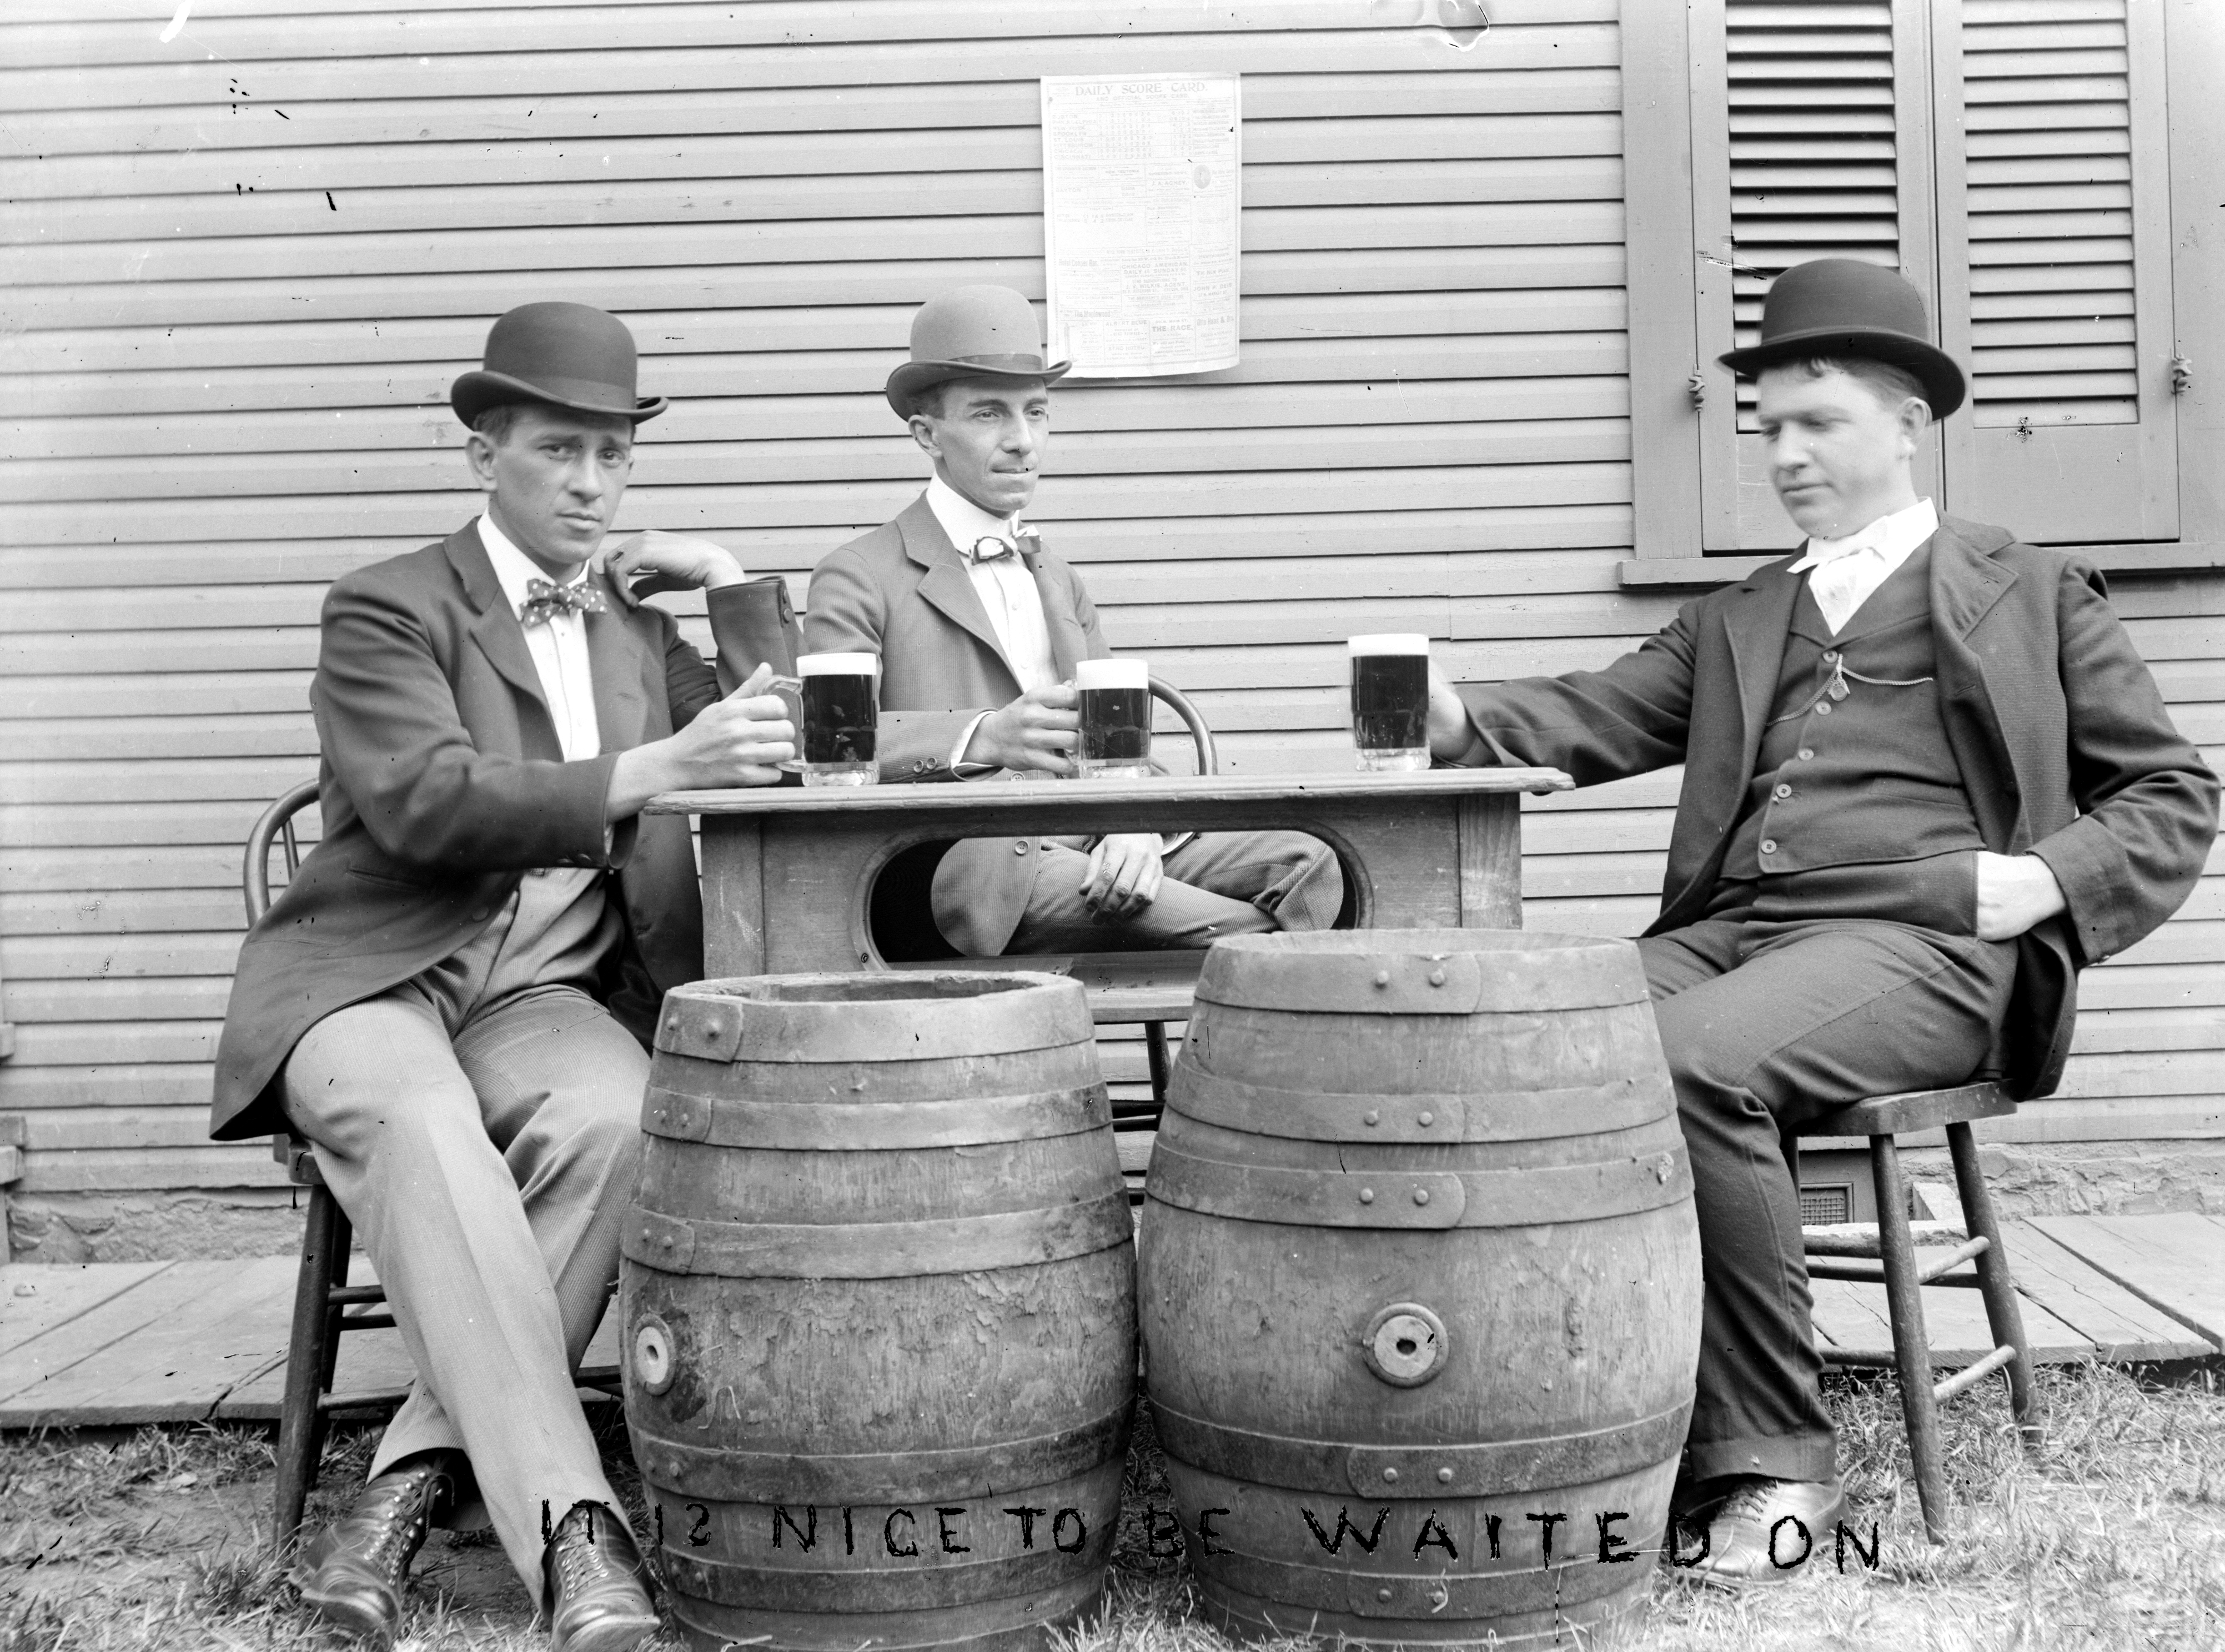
(544, 600)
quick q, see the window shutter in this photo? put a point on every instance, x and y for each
(2055, 266)
(1802, 112)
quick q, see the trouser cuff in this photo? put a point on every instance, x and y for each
(1785, 1457)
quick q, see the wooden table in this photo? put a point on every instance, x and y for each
(787, 870)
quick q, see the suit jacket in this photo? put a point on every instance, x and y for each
(442, 783)
(903, 593)
(2055, 723)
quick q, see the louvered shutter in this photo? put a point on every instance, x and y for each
(1803, 112)
(2055, 266)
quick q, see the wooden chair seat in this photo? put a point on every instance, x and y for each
(1889, 1259)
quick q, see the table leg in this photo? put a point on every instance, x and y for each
(733, 895)
(1490, 862)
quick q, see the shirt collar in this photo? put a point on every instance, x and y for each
(1893, 536)
(966, 521)
(513, 567)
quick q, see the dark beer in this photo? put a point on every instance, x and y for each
(1391, 701)
(1115, 710)
(840, 717)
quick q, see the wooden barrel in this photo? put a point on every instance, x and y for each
(1420, 1286)
(878, 1301)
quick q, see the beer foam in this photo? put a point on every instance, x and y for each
(1112, 673)
(1388, 642)
(838, 664)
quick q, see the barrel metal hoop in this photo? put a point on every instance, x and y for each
(948, 1582)
(1590, 974)
(992, 1625)
(959, 1244)
(724, 1475)
(1438, 1599)
(1385, 1473)
(1321, 1116)
(1391, 1198)
(998, 1015)
(873, 1126)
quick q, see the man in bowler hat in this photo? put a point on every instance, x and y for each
(451, 998)
(1927, 779)
(977, 628)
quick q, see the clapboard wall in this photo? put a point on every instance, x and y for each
(239, 270)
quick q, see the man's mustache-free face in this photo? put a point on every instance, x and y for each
(989, 438)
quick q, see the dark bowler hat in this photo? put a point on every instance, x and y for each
(1843, 307)
(971, 333)
(561, 356)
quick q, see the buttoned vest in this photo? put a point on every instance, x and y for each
(1854, 767)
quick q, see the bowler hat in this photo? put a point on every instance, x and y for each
(1844, 307)
(970, 333)
(562, 356)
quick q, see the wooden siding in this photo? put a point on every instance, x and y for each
(227, 337)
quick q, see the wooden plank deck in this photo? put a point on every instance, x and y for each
(189, 1341)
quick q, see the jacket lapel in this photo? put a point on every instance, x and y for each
(944, 583)
(1966, 583)
(616, 666)
(496, 630)
(1755, 626)
(1067, 644)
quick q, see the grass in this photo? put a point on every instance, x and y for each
(2112, 1536)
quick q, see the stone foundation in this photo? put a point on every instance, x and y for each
(2089, 1178)
(201, 1223)
(2050, 1179)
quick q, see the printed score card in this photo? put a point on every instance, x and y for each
(1142, 199)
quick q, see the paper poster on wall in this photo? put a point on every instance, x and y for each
(1141, 181)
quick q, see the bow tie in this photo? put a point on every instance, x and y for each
(990, 548)
(545, 599)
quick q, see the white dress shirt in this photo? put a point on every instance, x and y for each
(558, 645)
(1008, 593)
(1007, 590)
(1844, 573)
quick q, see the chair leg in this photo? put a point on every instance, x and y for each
(309, 1354)
(2004, 1317)
(1155, 1051)
(1912, 1348)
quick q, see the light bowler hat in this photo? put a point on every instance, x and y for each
(971, 333)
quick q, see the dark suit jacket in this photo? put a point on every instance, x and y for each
(903, 593)
(2059, 731)
(442, 783)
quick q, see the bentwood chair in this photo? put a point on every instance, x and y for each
(1889, 1259)
(325, 1304)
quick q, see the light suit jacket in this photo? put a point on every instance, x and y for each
(442, 782)
(903, 593)
(2057, 725)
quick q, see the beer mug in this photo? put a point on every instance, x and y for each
(839, 730)
(1115, 709)
(1391, 700)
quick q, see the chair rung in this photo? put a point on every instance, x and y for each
(362, 1402)
(1942, 1392)
(1969, 1250)
(366, 1322)
(349, 1295)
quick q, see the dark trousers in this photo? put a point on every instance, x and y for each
(1768, 1021)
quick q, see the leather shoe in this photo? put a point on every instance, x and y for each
(592, 1573)
(352, 1574)
(1764, 1531)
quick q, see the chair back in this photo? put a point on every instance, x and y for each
(277, 824)
(1208, 758)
